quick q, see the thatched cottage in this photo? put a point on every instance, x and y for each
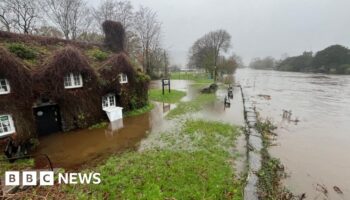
(50, 85)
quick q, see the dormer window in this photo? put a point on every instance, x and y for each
(123, 78)
(109, 101)
(4, 86)
(6, 125)
(73, 80)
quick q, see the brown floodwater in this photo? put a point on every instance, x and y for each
(72, 149)
(314, 144)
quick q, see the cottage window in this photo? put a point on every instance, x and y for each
(6, 125)
(4, 86)
(108, 101)
(123, 78)
(73, 81)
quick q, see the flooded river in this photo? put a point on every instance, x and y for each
(314, 144)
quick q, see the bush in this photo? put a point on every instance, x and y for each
(22, 51)
(99, 55)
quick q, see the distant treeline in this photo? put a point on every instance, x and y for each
(332, 60)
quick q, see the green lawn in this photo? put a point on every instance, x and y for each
(202, 171)
(140, 111)
(198, 78)
(173, 97)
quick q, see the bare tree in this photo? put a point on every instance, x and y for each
(205, 52)
(6, 17)
(121, 11)
(147, 29)
(68, 15)
(23, 13)
(49, 31)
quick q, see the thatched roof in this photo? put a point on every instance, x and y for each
(50, 77)
(16, 73)
(42, 40)
(19, 101)
(45, 47)
(118, 63)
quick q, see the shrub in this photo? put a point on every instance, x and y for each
(99, 55)
(22, 51)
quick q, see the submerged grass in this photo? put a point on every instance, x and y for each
(173, 97)
(191, 106)
(203, 172)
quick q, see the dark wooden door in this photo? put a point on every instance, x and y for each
(48, 119)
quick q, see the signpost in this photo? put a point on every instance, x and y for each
(165, 82)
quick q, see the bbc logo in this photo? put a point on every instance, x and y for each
(29, 178)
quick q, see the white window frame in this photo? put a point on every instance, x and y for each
(123, 78)
(10, 125)
(109, 101)
(71, 77)
(7, 84)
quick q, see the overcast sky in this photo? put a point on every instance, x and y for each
(258, 28)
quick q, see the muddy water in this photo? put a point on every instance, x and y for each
(217, 112)
(315, 149)
(75, 148)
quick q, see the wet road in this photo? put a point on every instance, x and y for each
(315, 149)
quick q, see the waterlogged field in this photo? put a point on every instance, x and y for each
(192, 160)
(192, 163)
(191, 106)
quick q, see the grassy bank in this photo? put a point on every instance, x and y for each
(140, 111)
(173, 97)
(193, 163)
(272, 171)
